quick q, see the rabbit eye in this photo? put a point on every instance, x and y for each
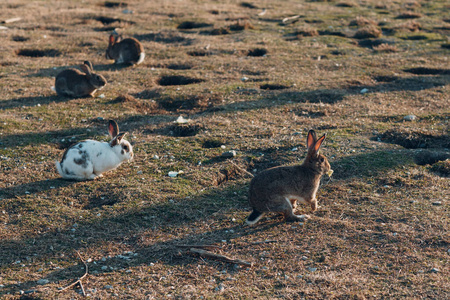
(125, 148)
(322, 159)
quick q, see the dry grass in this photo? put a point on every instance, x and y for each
(368, 32)
(386, 48)
(382, 229)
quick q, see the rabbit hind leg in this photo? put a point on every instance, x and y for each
(289, 211)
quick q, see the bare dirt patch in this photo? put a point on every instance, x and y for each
(39, 53)
(177, 80)
(257, 52)
(112, 4)
(428, 71)
(414, 139)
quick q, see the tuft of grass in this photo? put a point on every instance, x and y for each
(368, 32)
(386, 48)
(409, 15)
(361, 21)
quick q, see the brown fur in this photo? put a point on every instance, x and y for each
(278, 189)
(74, 83)
(126, 51)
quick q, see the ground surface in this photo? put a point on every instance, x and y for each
(249, 81)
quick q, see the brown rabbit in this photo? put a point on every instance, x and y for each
(127, 51)
(278, 189)
(74, 83)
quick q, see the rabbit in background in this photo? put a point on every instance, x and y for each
(125, 51)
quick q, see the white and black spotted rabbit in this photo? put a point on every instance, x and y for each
(279, 189)
(88, 159)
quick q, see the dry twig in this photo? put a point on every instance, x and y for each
(290, 19)
(79, 279)
(241, 169)
(264, 242)
(209, 254)
(197, 246)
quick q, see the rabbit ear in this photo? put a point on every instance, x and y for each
(116, 141)
(112, 40)
(113, 128)
(89, 64)
(86, 69)
(121, 136)
(311, 139)
(318, 143)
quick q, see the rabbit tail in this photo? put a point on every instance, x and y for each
(141, 58)
(253, 217)
(59, 168)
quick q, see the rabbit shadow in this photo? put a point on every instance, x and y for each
(174, 252)
(34, 187)
(31, 101)
(112, 67)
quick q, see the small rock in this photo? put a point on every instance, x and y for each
(437, 203)
(182, 120)
(312, 269)
(174, 173)
(304, 258)
(155, 156)
(244, 78)
(108, 287)
(220, 288)
(229, 154)
(435, 270)
(363, 91)
(105, 268)
(409, 118)
(101, 96)
(43, 281)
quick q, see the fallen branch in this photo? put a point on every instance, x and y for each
(209, 254)
(241, 169)
(79, 279)
(290, 19)
(12, 20)
(197, 246)
(264, 242)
